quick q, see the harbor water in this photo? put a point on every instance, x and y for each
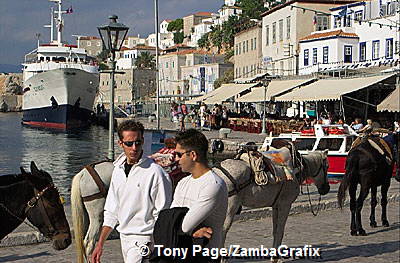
(61, 154)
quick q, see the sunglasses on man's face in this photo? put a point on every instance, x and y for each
(131, 143)
(179, 154)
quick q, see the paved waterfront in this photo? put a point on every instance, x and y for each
(329, 231)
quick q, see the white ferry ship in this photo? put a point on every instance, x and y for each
(60, 82)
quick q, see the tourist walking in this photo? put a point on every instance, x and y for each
(139, 190)
(204, 192)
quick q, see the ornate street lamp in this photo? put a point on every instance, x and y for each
(265, 82)
(112, 36)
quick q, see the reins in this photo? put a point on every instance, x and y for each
(31, 204)
(314, 212)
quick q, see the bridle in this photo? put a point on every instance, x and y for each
(34, 201)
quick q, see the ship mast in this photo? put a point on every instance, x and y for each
(51, 26)
(60, 21)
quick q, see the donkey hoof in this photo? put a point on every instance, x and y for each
(373, 224)
(353, 233)
(385, 223)
(362, 232)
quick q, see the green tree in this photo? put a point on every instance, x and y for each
(145, 60)
(216, 36)
(102, 56)
(252, 8)
(226, 78)
(204, 42)
(178, 37)
(176, 25)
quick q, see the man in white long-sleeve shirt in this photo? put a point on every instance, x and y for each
(139, 190)
(204, 192)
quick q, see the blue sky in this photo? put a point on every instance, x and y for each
(20, 20)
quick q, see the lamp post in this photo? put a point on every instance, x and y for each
(265, 82)
(112, 36)
(157, 66)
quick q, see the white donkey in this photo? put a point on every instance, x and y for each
(88, 216)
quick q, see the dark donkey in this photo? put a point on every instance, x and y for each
(367, 167)
(33, 196)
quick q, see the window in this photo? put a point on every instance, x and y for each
(88, 43)
(389, 48)
(282, 67)
(247, 45)
(255, 45)
(332, 144)
(358, 16)
(166, 65)
(337, 22)
(305, 143)
(325, 55)
(322, 22)
(348, 54)
(274, 32)
(267, 35)
(288, 27)
(363, 51)
(281, 30)
(391, 8)
(315, 56)
(375, 49)
(240, 47)
(306, 57)
(173, 64)
(98, 43)
(347, 20)
(251, 44)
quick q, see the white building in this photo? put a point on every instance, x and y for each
(164, 26)
(199, 31)
(128, 56)
(171, 79)
(165, 40)
(363, 35)
(227, 10)
(133, 41)
(200, 78)
(285, 25)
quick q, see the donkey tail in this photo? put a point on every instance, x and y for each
(77, 217)
(351, 169)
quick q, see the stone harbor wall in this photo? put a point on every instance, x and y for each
(10, 92)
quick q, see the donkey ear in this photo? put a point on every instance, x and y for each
(326, 153)
(34, 168)
(22, 170)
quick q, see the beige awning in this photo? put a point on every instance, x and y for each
(391, 103)
(330, 89)
(227, 91)
(275, 87)
(197, 99)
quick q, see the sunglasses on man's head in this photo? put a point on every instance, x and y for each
(131, 143)
(179, 154)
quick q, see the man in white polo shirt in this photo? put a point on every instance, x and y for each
(139, 190)
(204, 192)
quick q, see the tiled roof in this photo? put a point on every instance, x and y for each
(288, 3)
(336, 33)
(89, 38)
(137, 47)
(203, 14)
(190, 51)
(178, 46)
